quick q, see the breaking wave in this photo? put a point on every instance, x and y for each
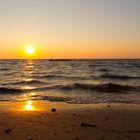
(101, 88)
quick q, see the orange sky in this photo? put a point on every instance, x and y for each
(70, 29)
(78, 51)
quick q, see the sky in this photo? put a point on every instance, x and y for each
(70, 28)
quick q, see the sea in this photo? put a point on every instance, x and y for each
(70, 81)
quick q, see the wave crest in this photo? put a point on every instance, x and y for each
(105, 88)
(122, 77)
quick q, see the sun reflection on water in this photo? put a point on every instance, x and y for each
(29, 106)
(28, 87)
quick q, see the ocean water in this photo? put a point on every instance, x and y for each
(70, 81)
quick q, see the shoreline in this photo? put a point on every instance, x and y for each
(43, 106)
(111, 121)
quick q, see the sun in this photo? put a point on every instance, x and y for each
(30, 50)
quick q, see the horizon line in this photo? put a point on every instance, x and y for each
(70, 59)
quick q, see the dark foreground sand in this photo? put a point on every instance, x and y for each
(69, 122)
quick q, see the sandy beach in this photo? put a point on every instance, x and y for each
(36, 121)
(69, 69)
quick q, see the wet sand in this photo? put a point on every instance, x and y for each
(36, 121)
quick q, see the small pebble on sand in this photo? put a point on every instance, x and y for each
(8, 130)
(29, 138)
(53, 110)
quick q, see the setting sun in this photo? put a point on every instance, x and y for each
(30, 50)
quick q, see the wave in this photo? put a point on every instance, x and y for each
(69, 77)
(78, 100)
(103, 70)
(4, 69)
(104, 88)
(101, 88)
(85, 100)
(31, 82)
(4, 90)
(122, 77)
(50, 98)
(60, 77)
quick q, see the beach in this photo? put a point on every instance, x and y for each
(42, 120)
(70, 70)
(69, 100)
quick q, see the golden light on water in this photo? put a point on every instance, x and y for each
(27, 87)
(29, 106)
